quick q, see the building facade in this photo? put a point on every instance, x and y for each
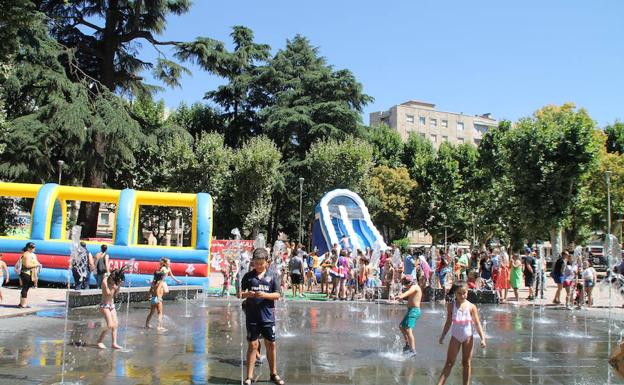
(421, 118)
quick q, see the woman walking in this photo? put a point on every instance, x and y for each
(28, 272)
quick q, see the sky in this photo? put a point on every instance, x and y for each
(507, 58)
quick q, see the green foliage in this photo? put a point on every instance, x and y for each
(615, 137)
(548, 155)
(402, 243)
(256, 175)
(387, 145)
(198, 118)
(105, 34)
(389, 198)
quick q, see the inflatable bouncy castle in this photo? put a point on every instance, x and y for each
(53, 248)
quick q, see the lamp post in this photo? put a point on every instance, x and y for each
(300, 208)
(60, 164)
(608, 178)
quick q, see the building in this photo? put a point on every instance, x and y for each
(421, 118)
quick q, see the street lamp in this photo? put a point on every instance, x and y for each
(608, 178)
(300, 208)
(60, 164)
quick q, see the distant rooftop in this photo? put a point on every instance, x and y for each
(421, 104)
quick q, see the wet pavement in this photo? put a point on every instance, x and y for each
(318, 343)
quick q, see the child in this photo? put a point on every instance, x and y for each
(589, 280)
(110, 287)
(569, 282)
(413, 295)
(461, 318)
(165, 268)
(260, 291)
(156, 304)
(4, 275)
(310, 280)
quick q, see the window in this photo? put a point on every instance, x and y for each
(460, 126)
(104, 219)
(422, 120)
(445, 138)
(433, 123)
(460, 140)
(410, 118)
(434, 138)
(422, 135)
(480, 128)
(444, 123)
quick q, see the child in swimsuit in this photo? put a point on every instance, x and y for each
(461, 318)
(413, 295)
(156, 304)
(110, 287)
(4, 274)
(165, 268)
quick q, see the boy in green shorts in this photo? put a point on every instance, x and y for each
(413, 295)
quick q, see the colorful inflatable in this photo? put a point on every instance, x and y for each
(342, 214)
(48, 232)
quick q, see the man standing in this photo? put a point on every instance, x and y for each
(540, 271)
(529, 273)
(260, 290)
(296, 274)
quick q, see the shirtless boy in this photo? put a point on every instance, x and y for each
(413, 295)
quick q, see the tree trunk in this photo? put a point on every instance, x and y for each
(556, 242)
(275, 220)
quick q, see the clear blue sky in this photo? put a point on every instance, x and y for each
(504, 57)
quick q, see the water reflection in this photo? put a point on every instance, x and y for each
(332, 343)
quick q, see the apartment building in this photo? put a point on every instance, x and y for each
(421, 118)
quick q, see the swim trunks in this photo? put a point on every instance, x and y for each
(411, 316)
(154, 300)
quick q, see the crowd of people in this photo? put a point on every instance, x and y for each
(345, 274)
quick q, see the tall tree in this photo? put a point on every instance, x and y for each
(238, 98)
(104, 37)
(615, 137)
(549, 154)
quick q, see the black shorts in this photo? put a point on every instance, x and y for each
(254, 331)
(296, 279)
(529, 280)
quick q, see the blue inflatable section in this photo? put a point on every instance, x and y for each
(343, 213)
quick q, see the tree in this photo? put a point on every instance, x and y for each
(389, 199)
(103, 37)
(256, 175)
(589, 212)
(615, 137)
(548, 155)
(387, 145)
(198, 119)
(238, 97)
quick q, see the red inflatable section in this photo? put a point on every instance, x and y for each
(140, 267)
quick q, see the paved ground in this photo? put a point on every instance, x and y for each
(38, 299)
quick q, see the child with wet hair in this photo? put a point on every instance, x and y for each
(156, 292)
(462, 318)
(110, 287)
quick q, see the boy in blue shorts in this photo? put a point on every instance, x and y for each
(260, 290)
(413, 295)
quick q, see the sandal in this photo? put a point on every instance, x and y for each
(247, 381)
(276, 379)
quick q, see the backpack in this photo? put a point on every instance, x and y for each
(100, 267)
(18, 266)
